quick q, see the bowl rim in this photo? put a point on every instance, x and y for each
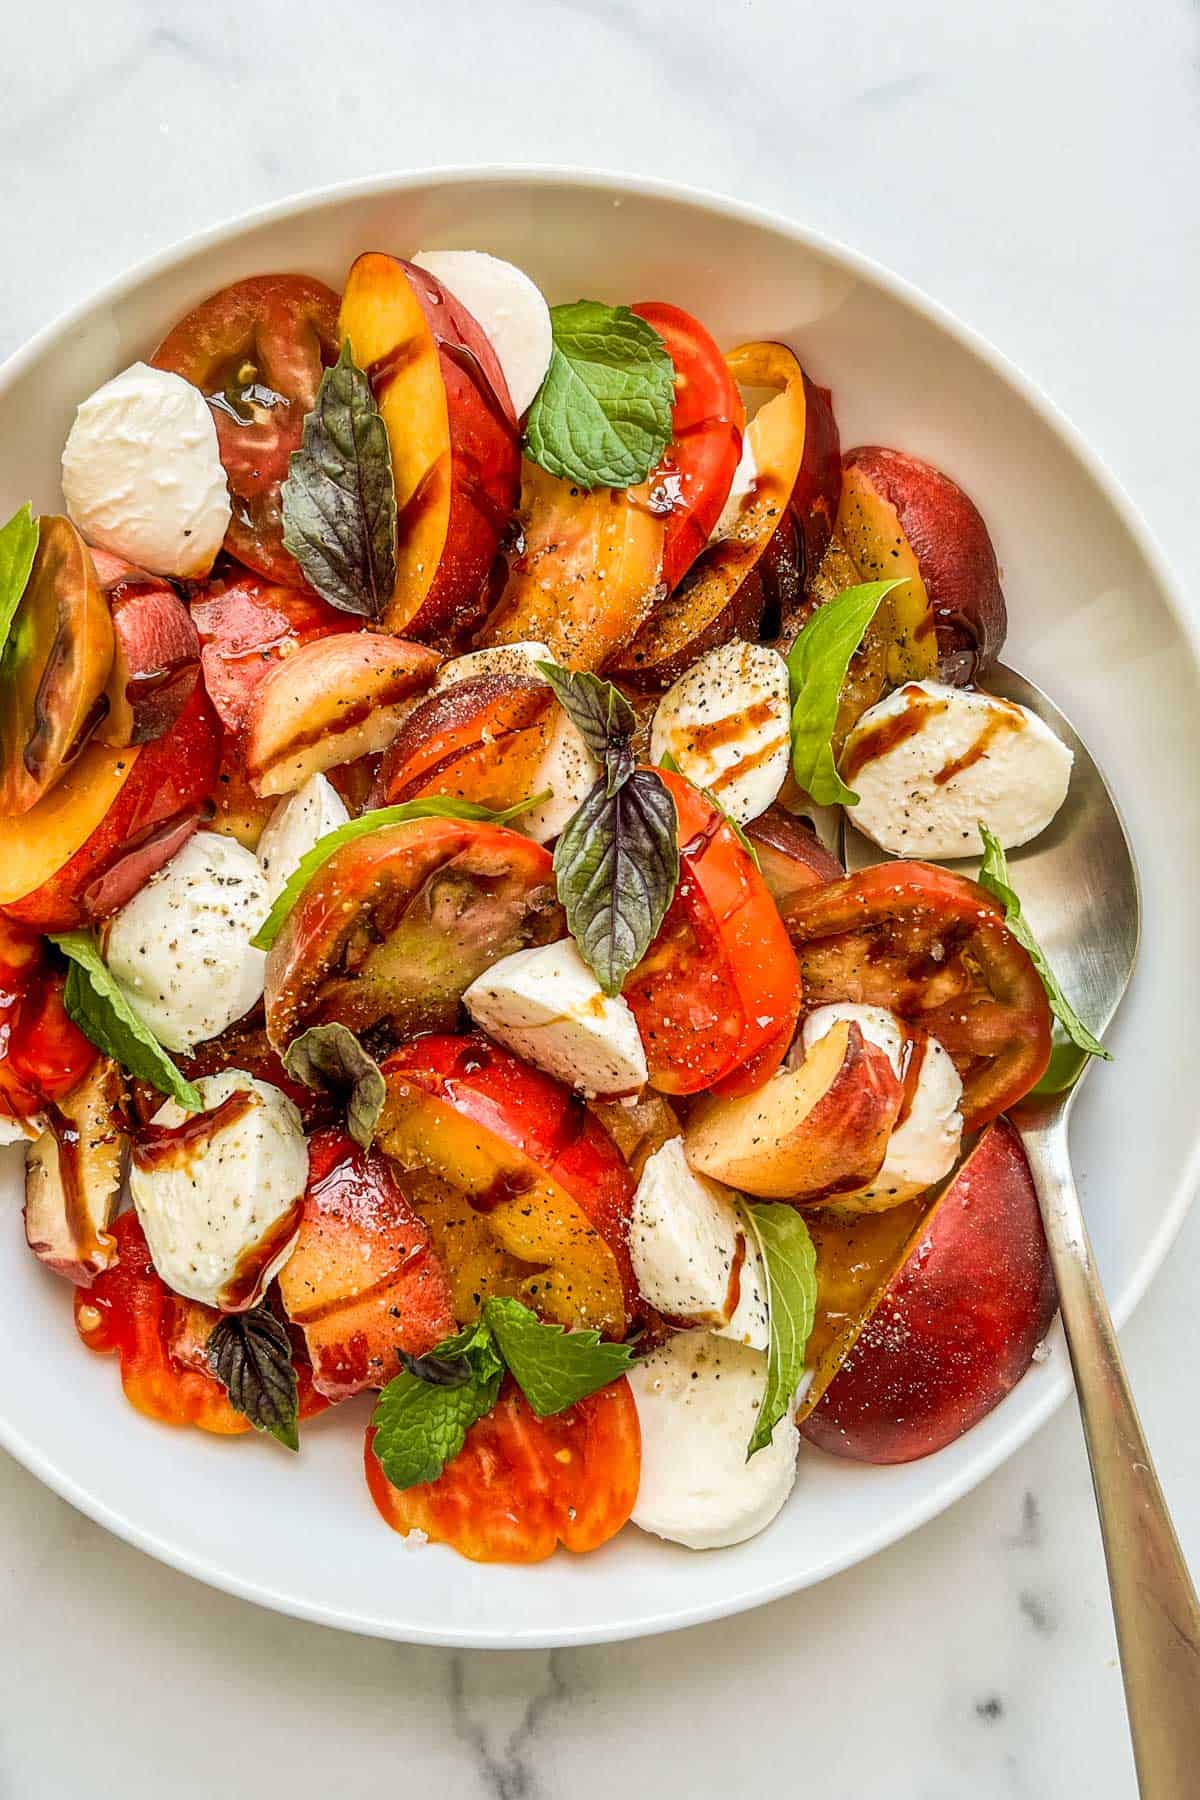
(893, 1525)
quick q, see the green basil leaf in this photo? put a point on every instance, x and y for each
(18, 547)
(993, 875)
(250, 1353)
(599, 711)
(339, 499)
(330, 1057)
(790, 1263)
(602, 416)
(97, 1004)
(436, 806)
(617, 864)
(553, 1368)
(817, 665)
(421, 1421)
(667, 761)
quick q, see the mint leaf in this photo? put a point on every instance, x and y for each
(993, 875)
(600, 712)
(421, 1421)
(339, 498)
(602, 416)
(667, 761)
(436, 806)
(330, 1057)
(95, 1003)
(616, 864)
(817, 665)
(18, 546)
(250, 1353)
(553, 1368)
(790, 1264)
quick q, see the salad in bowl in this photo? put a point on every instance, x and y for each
(428, 737)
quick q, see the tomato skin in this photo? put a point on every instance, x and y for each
(717, 995)
(934, 948)
(42, 1054)
(246, 624)
(707, 421)
(286, 326)
(520, 1486)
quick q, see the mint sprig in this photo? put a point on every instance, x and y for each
(602, 416)
(790, 1265)
(817, 665)
(18, 547)
(423, 1415)
(96, 1003)
(993, 875)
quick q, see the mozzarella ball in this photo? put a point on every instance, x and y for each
(727, 724)
(180, 949)
(221, 1204)
(510, 308)
(691, 1252)
(547, 1006)
(142, 475)
(296, 826)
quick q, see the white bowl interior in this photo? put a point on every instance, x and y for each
(1091, 620)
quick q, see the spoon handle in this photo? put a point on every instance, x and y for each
(1154, 1601)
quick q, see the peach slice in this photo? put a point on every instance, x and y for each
(955, 1324)
(810, 1132)
(73, 1178)
(484, 739)
(453, 436)
(335, 699)
(156, 653)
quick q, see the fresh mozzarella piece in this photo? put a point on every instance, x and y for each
(568, 767)
(691, 1252)
(181, 948)
(142, 475)
(726, 722)
(221, 1207)
(697, 1399)
(510, 308)
(925, 1145)
(931, 761)
(744, 478)
(299, 822)
(547, 1005)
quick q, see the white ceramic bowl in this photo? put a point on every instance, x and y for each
(1093, 618)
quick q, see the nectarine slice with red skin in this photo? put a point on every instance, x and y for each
(957, 1325)
(363, 1281)
(791, 857)
(526, 1152)
(247, 625)
(453, 436)
(520, 1486)
(332, 701)
(483, 739)
(900, 514)
(398, 923)
(156, 653)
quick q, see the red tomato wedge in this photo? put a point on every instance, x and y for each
(257, 352)
(130, 1309)
(520, 1485)
(246, 625)
(42, 1054)
(707, 421)
(934, 948)
(717, 995)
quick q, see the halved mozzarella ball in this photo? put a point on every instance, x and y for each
(925, 1144)
(692, 1255)
(697, 1399)
(546, 1004)
(181, 948)
(568, 767)
(726, 723)
(220, 1204)
(142, 475)
(299, 822)
(744, 478)
(930, 762)
(510, 308)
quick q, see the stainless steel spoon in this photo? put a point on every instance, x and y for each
(1079, 890)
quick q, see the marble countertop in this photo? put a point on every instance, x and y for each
(1033, 167)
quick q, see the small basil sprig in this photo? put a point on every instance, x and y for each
(424, 1414)
(251, 1356)
(993, 875)
(18, 547)
(790, 1265)
(329, 1058)
(667, 761)
(97, 1004)
(817, 666)
(437, 806)
(617, 859)
(339, 498)
(602, 416)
